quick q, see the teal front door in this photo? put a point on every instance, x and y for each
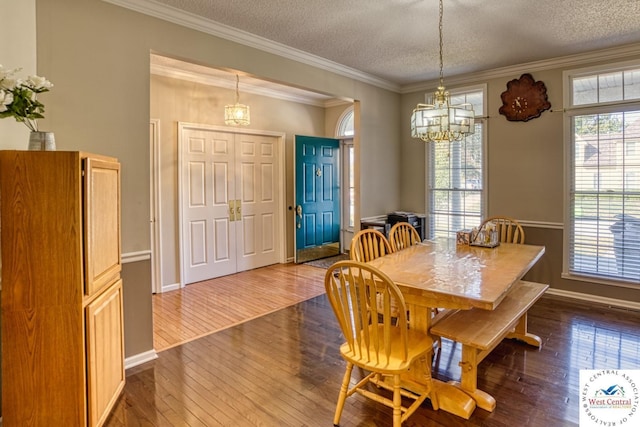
(317, 209)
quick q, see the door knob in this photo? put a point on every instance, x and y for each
(299, 210)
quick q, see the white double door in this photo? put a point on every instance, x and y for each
(230, 202)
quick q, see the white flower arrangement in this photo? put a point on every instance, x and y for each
(18, 97)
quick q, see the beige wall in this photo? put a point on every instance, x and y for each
(17, 54)
(525, 165)
(97, 55)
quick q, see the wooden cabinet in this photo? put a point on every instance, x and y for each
(61, 298)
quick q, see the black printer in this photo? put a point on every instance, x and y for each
(416, 220)
(399, 216)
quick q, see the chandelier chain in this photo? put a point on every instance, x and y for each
(440, 34)
(237, 91)
(439, 120)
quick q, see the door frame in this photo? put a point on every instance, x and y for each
(154, 207)
(280, 141)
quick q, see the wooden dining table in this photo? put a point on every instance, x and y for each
(440, 274)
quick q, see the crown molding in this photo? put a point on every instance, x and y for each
(609, 54)
(189, 20)
(175, 73)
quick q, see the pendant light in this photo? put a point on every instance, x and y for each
(440, 121)
(236, 114)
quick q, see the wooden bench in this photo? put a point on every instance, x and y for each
(480, 331)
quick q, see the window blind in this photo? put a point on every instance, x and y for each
(604, 232)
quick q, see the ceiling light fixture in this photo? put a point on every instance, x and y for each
(440, 121)
(236, 114)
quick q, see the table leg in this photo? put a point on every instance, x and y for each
(520, 333)
(469, 379)
(454, 400)
(419, 317)
(449, 397)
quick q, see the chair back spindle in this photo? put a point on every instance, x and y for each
(368, 244)
(403, 235)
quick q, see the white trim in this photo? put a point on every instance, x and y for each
(595, 298)
(600, 280)
(542, 224)
(154, 207)
(136, 256)
(139, 359)
(374, 218)
(189, 20)
(603, 55)
(171, 287)
(171, 14)
(174, 73)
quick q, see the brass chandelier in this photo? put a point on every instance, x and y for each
(440, 121)
(236, 114)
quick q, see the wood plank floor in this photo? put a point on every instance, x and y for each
(205, 307)
(284, 369)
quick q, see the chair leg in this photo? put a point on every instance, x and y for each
(343, 393)
(397, 402)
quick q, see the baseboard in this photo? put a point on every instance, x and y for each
(140, 358)
(595, 298)
(172, 287)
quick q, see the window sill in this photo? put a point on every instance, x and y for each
(601, 280)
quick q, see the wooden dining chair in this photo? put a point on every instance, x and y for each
(384, 349)
(509, 230)
(402, 235)
(368, 244)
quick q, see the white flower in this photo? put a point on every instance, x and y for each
(37, 83)
(8, 83)
(6, 98)
(18, 97)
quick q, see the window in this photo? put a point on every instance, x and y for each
(603, 232)
(455, 172)
(345, 133)
(345, 124)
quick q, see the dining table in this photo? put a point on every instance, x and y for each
(442, 275)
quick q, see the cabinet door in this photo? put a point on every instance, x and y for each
(105, 352)
(101, 223)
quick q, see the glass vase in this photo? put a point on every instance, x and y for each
(42, 141)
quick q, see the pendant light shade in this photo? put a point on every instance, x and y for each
(237, 114)
(439, 120)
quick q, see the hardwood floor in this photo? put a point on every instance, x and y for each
(284, 369)
(205, 307)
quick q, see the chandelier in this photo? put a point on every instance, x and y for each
(440, 121)
(236, 114)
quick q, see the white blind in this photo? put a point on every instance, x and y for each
(604, 234)
(456, 185)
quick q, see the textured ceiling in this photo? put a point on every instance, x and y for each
(397, 40)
